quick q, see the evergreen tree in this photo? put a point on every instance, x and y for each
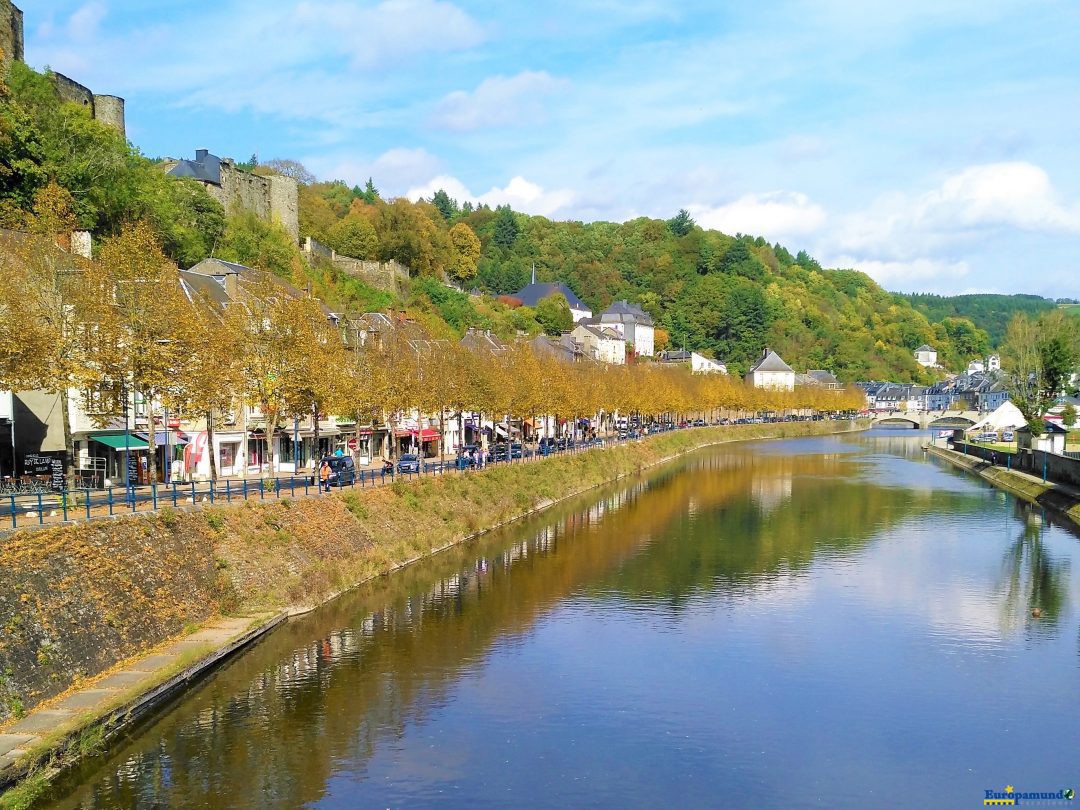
(447, 206)
(682, 223)
(506, 227)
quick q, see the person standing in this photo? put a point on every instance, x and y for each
(324, 475)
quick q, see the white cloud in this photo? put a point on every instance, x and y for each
(1017, 193)
(388, 31)
(966, 204)
(393, 170)
(84, 24)
(776, 215)
(521, 194)
(499, 101)
(917, 274)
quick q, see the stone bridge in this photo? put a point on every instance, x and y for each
(922, 420)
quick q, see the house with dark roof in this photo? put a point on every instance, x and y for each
(770, 371)
(633, 324)
(697, 363)
(533, 293)
(823, 378)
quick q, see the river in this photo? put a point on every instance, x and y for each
(826, 622)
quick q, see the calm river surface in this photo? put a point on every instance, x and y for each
(834, 622)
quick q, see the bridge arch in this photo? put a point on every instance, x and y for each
(957, 422)
(897, 422)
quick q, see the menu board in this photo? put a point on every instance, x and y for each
(41, 464)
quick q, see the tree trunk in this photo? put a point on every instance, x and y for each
(244, 442)
(315, 424)
(69, 442)
(151, 441)
(210, 445)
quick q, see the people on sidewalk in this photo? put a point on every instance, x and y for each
(324, 475)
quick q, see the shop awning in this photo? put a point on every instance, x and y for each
(160, 437)
(117, 442)
(426, 435)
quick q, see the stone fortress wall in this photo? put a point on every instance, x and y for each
(11, 33)
(390, 276)
(107, 109)
(270, 198)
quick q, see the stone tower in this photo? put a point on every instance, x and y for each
(11, 33)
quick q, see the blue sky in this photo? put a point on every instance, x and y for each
(930, 144)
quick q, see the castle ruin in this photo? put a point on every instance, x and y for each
(269, 197)
(107, 109)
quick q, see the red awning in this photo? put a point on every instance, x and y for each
(425, 435)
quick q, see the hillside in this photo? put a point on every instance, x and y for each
(727, 296)
(987, 311)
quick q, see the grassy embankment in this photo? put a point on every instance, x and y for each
(77, 599)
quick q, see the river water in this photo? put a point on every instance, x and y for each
(831, 622)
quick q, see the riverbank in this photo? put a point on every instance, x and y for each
(84, 598)
(1060, 498)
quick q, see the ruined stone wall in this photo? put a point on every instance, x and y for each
(285, 203)
(391, 276)
(109, 110)
(269, 198)
(11, 33)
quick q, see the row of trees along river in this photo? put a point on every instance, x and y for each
(122, 322)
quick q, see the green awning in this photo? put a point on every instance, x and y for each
(117, 442)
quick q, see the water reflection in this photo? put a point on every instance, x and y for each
(543, 647)
(1034, 582)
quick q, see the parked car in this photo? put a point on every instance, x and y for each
(342, 470)
(987, 436)
(1008, 436)
(409, 463)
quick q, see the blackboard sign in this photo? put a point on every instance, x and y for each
(42, 465)
(133, 470)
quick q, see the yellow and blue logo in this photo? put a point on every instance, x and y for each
(1011, 797)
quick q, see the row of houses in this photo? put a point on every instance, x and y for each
(112, 449)
(982, 391)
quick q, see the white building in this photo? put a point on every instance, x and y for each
(993, 363)
(771, 372)
(632, 323)
(600, 343)
(926, 356)
(976, 367)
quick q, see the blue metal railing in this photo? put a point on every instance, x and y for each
(39, 508)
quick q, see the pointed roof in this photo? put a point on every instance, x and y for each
(532, 294)
(770, 361)
(926, 348)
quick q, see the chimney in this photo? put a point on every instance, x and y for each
(82, 244)
(200, 155)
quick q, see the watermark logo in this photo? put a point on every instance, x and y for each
(1011, 797)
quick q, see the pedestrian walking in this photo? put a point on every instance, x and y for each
(324, 475)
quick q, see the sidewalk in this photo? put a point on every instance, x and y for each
(118, 697)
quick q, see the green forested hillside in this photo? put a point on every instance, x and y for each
(987, 311)
(727, 296)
